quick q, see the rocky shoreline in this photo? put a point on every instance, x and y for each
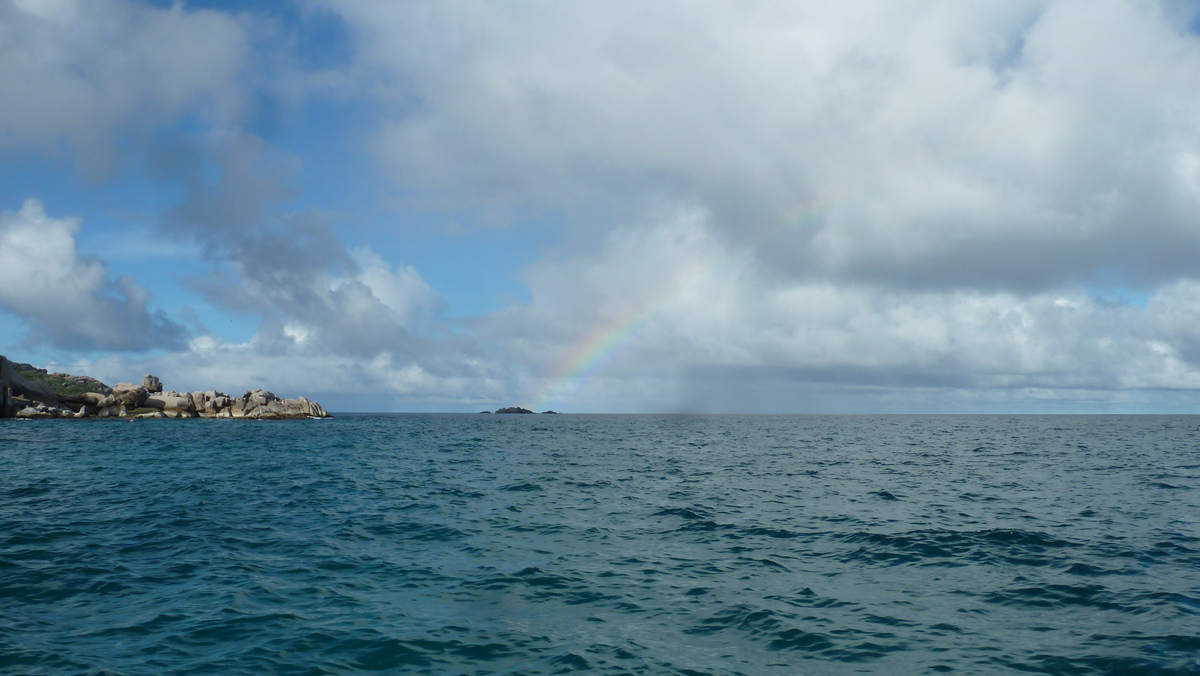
(28, 392)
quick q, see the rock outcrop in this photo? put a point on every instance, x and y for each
(130, 395)
(513, 409)
(22, 397)
(152, 384)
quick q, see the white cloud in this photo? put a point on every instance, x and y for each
(666, 313)
(995, 145)
(70, 301)
(409, 299)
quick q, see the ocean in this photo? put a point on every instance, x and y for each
(602, 544)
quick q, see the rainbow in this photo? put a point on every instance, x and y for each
(605, 343)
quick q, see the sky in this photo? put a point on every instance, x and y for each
(680, 206)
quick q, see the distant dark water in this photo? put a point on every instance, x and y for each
(601, 544)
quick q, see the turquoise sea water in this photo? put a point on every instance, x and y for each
(468, 544)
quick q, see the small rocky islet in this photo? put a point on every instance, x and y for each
(518, 409)
(30, 392)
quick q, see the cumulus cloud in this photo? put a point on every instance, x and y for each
(668, 317)
(70, 301)
(996, 145)
(94, 77)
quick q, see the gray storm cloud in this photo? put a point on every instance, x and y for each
(346, 319)
(290, 267)
(98, 75)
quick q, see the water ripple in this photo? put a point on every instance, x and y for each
(432, 544)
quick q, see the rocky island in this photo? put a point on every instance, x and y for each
(30, 392)
(513, 409)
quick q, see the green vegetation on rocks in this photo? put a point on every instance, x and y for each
(62, 384)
